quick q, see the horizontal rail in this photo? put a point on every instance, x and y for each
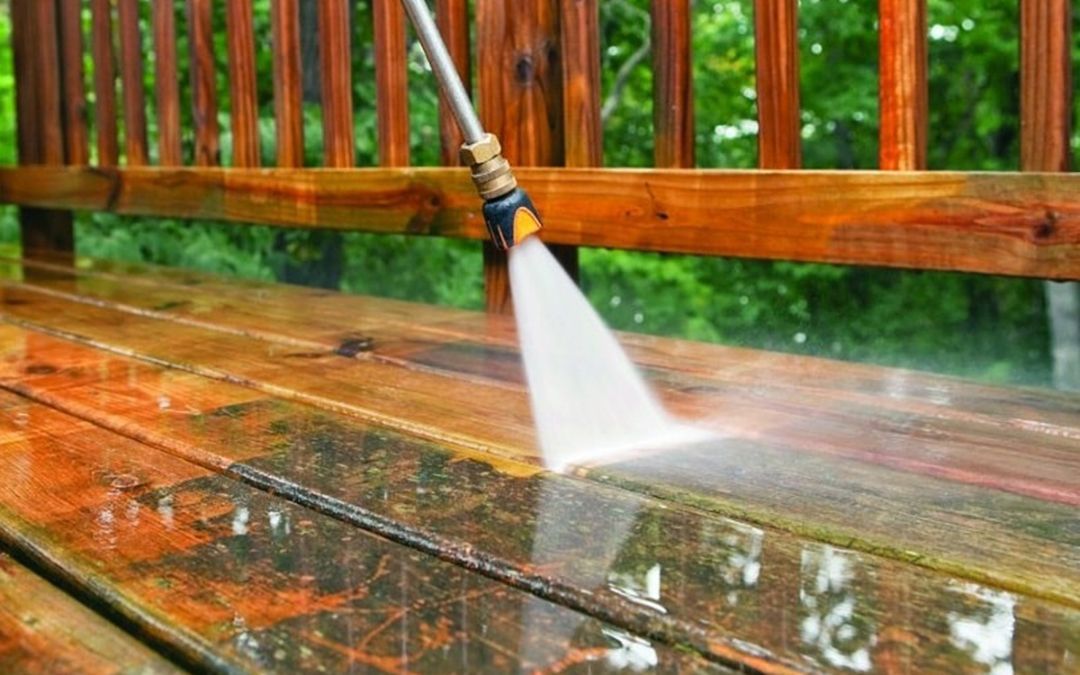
(995, 223)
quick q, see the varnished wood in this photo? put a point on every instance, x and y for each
(167, 83)
(41, 121)
(227, 577)
(521, 102)
(902, 91)
(203, 88)
(673, 93)
(23, 27)
(131, 76)
(288, 114)
(776, 48)
(452, 17)
(76, 149)
(584, 143)
(1045, 84)
(294, 451)
(1026, 225)
(339, 144)
(242, 87)
(391, 82)
(104, 83)
(44, 630)
(791, 433)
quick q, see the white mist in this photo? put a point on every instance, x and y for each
(588, 400)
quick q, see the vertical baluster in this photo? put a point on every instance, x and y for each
(74, 88)
(203, 87)
(581, 78)
(288, 112)
(242, 85)
(108, 145)
(131, 77)
(903, 88)
(452, 17)
(777, 53)
(166, 84)
(391, 83)
(339, 142)
(673, 96)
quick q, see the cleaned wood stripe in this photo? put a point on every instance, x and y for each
(104, 83)
(902, 92)
(242, 85)
(581, 74)
(776, 48)
(203, 78)
(76, 145)
(131, 75)
(673, 96)
(391, 82)
(167, 83)
(1024, 225)
(452, 17)
(335, 49)
(288, 113)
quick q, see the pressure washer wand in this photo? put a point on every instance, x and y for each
(508, 211)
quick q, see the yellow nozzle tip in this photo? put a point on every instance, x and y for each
(525, 225)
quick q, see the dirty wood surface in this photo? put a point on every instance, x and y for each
(253, 475)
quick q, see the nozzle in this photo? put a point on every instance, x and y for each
(511, 218)
(508, 211)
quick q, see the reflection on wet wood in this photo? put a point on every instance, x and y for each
(929, 463)
(44, 630)
(225, 575)
(687, 572)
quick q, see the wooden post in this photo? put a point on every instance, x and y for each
(203, 89)
(584, 144)
(673, 96)
(903, 89)
(131, 76)
(391, 82)
(288, 113)
(1045, 117)
(166, 84)
(242, 85)
(104, 83)
(777, 53)
(339, 143)
(521, 103)
(38, 82)
(452, 17)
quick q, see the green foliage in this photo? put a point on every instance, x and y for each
(972, 325)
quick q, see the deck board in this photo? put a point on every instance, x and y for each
(230, 577)
(909, 465)
(738, 581)
(44, 630)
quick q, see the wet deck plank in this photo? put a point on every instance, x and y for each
(45, 630)
(922, 468)
(229, 577)
(711, 582)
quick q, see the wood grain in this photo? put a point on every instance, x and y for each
(902, 92)
(776, 49)
(584, 142)
(521, 102)
(23, 28)
(49, 83)
(288, 113)
(452, 18)
(203, 87)
(1045, 84)
(76, 148)
(228, 577)
(243, 97)
(813, 462)
(1025, 225)
(44, 630)
(298, 452)
(131, 77)
(391, 82)
(339, 143)
(104, 83)
(166, 83)
(673, 93)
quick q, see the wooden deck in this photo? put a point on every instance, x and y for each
(208, 473)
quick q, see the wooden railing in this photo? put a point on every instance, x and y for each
(538, 89)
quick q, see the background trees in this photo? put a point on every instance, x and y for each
(986, 327)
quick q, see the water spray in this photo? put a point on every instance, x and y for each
(508, 212)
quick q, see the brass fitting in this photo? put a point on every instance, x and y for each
(490, 172)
